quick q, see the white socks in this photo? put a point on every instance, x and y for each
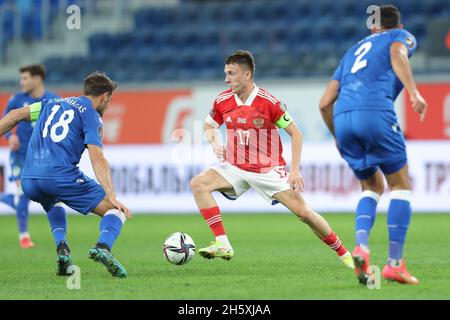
(224, 239)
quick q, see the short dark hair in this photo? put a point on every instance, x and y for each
(242, 57)
(390, 16)
(34, 70)
(97, 83)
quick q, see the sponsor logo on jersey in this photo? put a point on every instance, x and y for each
(283, 106)
(241, 120)
(258, 122)
(228, 119)
(395, 127)
(212, 112)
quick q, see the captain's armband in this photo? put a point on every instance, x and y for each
(284, 121)
(35, 110)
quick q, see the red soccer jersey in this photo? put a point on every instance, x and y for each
(253, 142)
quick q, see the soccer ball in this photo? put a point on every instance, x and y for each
(179, 248)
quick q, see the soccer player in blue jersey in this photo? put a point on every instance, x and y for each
(358, 108)
(64, 129)
(33, 90)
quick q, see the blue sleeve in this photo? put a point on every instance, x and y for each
(93, 129)
(12, 104)
(337, 75)
(407, 39)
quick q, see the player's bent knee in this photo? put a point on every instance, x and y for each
(378, 189)
(198, 184)
(302, 213)
(374, 184)
(103, 207)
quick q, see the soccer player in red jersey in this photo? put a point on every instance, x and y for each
(253, 158)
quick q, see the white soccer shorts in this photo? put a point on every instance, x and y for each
(266, 184)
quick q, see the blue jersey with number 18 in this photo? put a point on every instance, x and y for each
(367, 80)
(63, 129)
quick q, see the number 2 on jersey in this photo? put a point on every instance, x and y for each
(360, 53)
(64, 120)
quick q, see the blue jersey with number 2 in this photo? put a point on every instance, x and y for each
(63, 129)
(367, 80)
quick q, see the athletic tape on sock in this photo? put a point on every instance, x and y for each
(118, 214)
(370, 194)
(404, 195)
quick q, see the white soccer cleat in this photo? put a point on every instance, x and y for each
(217, 249)
(347, 260)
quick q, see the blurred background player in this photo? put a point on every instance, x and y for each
(253, 157)
(363, 90)
(51, 177)
(33, 90)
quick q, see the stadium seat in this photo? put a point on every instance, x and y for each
(287, 37)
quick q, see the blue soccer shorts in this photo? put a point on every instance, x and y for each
(370, 139)
(80, 193)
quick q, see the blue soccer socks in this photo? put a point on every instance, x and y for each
(365, 217)
(22, 213)
(8, 198)
(110, 227)
(58, 223)
(398, 219)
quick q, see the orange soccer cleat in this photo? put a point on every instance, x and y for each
(26, 243)
(399, 274)
(361, 258)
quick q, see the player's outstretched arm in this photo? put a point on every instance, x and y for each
(326, 104)
(103, 173)
(211, 135)
(402, 68)
(295, 178)
(13, 117)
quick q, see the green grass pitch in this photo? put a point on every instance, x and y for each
(276, 257)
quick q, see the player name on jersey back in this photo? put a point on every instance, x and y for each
(63, 129)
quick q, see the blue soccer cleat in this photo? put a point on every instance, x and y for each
(63, 259)
(107, 259)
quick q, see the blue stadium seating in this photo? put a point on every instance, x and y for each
(28, 15)
(289, 38)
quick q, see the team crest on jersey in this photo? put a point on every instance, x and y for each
(258, 122)
(410, 42)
